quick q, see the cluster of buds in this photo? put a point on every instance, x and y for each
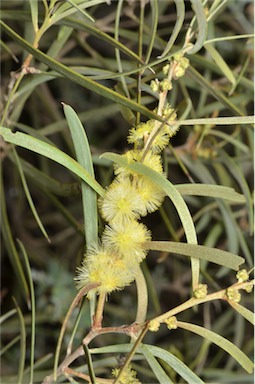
(127, 377)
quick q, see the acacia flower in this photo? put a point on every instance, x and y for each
(104, 267)
(127, 377)
(141, 133)
(126, 240)
(151, 196)
(120, 203)
(151, 160)
(138, 134)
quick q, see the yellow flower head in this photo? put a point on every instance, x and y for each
(151, 196)
(140, 134)
(106, 268)
(151, 160)
(126, 240)
(120, 203)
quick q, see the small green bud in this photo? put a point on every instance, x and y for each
(166, 85)
(201, 291)
(242, 276)
(154, 85)
(249, 288)
(166, 69)
(171, 322)
(233, 295)
(154, 325)
(181, 64)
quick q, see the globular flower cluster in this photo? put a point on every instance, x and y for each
(128, 377)
(139, 134)
(115, 260)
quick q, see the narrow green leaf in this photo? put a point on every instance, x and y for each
(65, 10)
(227, 38)
(230, 139)
(142, 297)
(236, 172)
(223, 343)
(220, 62)
(179, 367)
(79, 79)
(213, 91)
(9, 345)
(211, 190)
(233, 120)
(213, 255)
(155, 366)
(245, 312)
(173, 194)
(52, 153)
(89, 197)
(152, 29)
(9, 242)
(34, 13)
(102, 36)
(6, 316)
(42, 180)
(32, 300)
(84, 13)
(180, 14)
(185, 372)
(22, 355)
(29, 197)
(199, 10)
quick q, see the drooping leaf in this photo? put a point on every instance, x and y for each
(213, 255)
(52, 153)
(223, 343)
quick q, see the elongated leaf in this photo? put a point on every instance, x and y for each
(213, 255)
(155, 366)
(9, 242)
(245, 312)
(42, 180)
(86, 14)
(179, 367)
(79, 79)
(29, 197)
(221, 63)
(168, 357)
(142, 297)
(34, 13)
(4, 317)
(32, 300)
(215, 92)
(22, 355)
(230, 139)
(65, 10)
(180, 14)
(223, 343)
(89, 198)
(199, 10)
(9, 345)
(210, 190)
(152, 29)
(219, 120)
(52, 153)
(173, 194)
(235, 170)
